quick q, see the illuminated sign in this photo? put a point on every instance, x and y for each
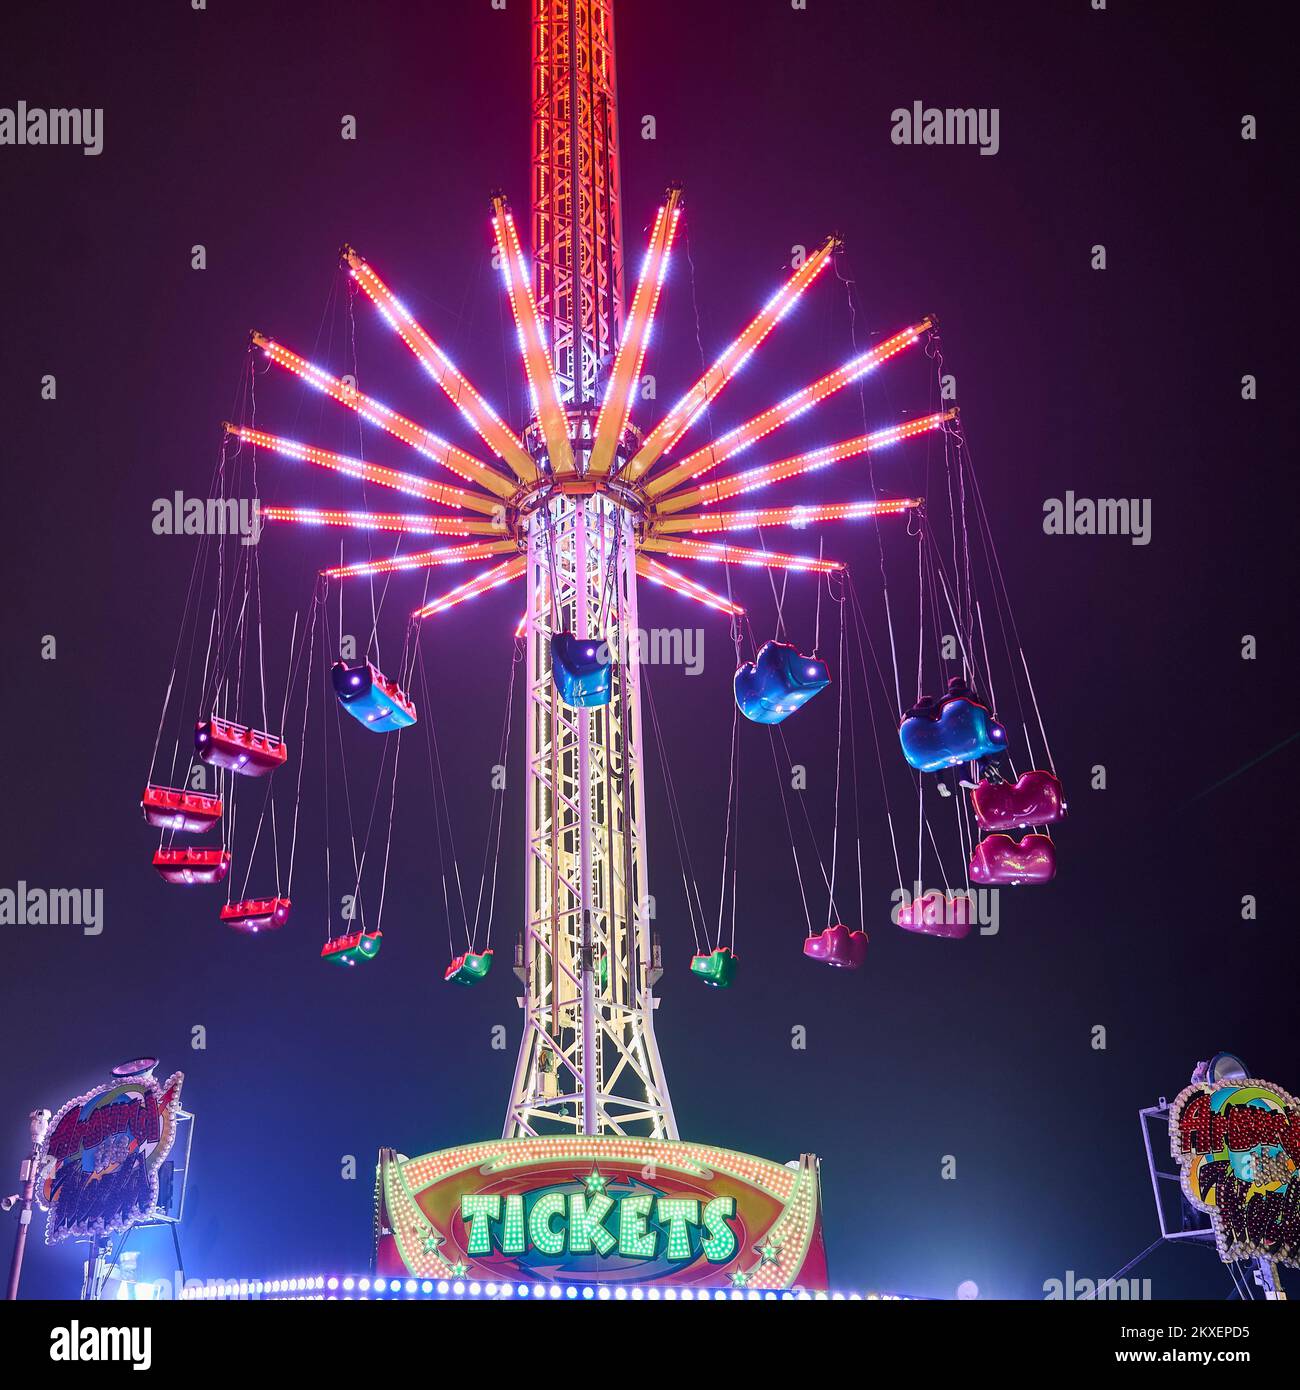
(602, 1207)
(1238, 1144)
(553, 1221)
(100, 1158)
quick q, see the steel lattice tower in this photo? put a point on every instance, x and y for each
(588, 1061)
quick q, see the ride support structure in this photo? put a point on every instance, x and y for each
(582, 504)
(588, 1060)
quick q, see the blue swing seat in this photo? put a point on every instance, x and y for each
(959, 731)
(778, 681)
(582, 670)
(374, 701)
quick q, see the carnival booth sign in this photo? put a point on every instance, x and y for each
(100, 1158)
(606, 1208)
(1238, 1144)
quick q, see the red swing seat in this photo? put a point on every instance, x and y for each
(169, 808)
(256, 914)
(189, 866)
(236, 747)
(355, 946)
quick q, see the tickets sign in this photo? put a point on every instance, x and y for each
(602, 1208)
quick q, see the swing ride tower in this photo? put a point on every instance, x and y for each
(589, 1176)
(588, 1060)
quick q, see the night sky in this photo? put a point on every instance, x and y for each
(1120, 128)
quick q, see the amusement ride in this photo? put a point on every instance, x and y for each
(599, 490)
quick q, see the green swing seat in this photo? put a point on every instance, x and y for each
(716, 968)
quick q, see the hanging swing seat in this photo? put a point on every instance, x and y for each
(934, 914)
(256, 914)
(356, 946)
(470, 968)
(169, 808)
(582, 670)
(998, 859)
(944, 735)
(373, 700)
(779, 680)
(716, 968)
(189, 866)
(1036, 798)
(838, 946)
(223, 743)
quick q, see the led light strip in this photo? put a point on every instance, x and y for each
(679, 418)
(332, 1287)
(685, 549)
(424, 559)
(410, 483)
(532, 341)
(494, 432)
(499, 574)
(701, 522)
(626, 374)
(439, 450)
(658, 573)
(740, 438)
(732, 486)
(382, 521)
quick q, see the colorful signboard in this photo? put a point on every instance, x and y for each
(1238, 1144)
(99, 1161)
(601, 1208)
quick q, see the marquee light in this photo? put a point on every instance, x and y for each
(1237, 1143)
(99, 1160)
(711, 1214)
(740, 438)
(701, 522)
(361, 1287)
(410, 483)
(532, 341)
(495, 433)
(425, 441)
(722, 488)
(626, 374)
(679, 418)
